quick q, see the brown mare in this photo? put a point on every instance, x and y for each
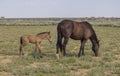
(35, 39)
(78, 31)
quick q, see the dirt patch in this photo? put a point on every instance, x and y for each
(0, 49)
(75, 48)
(80, 72)
(97, 58)
(4, 60)
(117, 56)
(34, 65)
(107, 73)
(5, 74)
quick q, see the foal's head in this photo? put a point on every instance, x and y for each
(49, 37)
(45, 35)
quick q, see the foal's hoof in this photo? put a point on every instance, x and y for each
(96, 55)
(34, 57)
(22, 53)
(41, 56)
(83, 54)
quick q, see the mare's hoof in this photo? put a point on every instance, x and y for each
(79, 56)
(57, 56)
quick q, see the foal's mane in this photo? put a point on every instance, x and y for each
(42, 33)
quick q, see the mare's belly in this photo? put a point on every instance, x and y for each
(76, 37)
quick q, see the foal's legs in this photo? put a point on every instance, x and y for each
(37, 48)
(35, 52)
(83, 41)
(21, 49)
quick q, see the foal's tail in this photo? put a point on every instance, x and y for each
(21, 41)
(59, 36)
(20, 49)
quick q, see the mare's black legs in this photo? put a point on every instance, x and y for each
(82, 47)
(64, 45)
(59, 45)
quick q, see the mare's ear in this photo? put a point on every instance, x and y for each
(98, 40)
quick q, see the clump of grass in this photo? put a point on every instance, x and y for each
(55, 69)
(116, 71)
(96, 72)
(25, 60)
(107, 58)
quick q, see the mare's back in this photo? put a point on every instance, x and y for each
(65, 24)
(78, 30)
(75, 24)
(82, 30)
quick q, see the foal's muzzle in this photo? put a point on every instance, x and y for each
(50, 42)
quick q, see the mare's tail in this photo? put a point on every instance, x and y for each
(59, 37)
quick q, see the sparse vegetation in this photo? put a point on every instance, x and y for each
(107, 64)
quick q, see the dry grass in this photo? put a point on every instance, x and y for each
(107, 64)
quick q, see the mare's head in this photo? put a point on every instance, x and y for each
(95, 47)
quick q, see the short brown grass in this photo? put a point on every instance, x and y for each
(107, 64)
